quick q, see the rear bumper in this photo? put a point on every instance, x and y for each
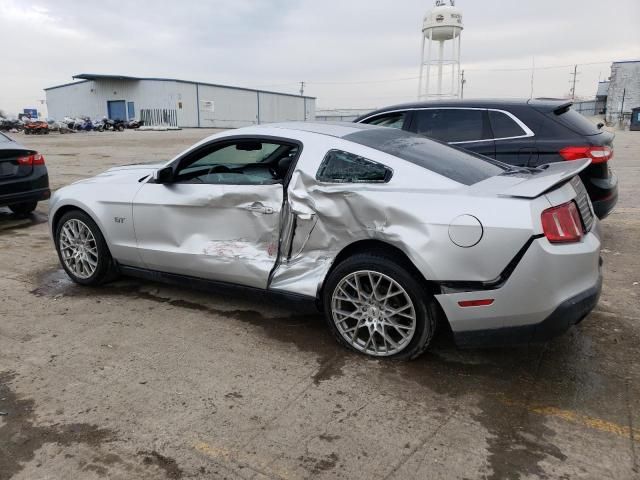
(603, 207)
(603, 193)
(30, 196)
(570, 312)
(551, 288)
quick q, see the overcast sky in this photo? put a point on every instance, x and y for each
(351, 53)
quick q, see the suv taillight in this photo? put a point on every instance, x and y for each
(35, 159)
(596, 154)
(562, 224)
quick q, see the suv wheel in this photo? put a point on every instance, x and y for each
(375, 306)
(23, 208)
(82, 250)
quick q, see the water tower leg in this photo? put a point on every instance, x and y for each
(421, 69)
(427, 77)
(440, 56)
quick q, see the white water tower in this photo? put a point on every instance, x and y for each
(442, 26)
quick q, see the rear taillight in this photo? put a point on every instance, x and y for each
(596, 154)
(35, 159)
(562, 224)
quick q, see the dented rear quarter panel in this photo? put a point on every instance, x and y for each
(411, 212)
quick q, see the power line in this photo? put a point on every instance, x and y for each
(403, 79)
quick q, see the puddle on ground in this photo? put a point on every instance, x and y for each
(22, 437)
(304, 327)
(568, 373)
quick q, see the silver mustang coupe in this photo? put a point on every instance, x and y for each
(388, 232)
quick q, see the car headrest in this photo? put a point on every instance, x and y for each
(283, 165)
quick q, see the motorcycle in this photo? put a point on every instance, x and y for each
(135, 123)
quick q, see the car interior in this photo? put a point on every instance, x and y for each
(241, 162)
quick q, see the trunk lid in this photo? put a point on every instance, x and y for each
(9, 166)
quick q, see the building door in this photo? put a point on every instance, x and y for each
(116, 109)
(131, 111)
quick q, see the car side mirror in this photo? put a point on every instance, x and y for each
(164, 175)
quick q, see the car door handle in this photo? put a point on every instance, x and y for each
(259, 208)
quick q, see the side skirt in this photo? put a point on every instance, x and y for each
(216, 286)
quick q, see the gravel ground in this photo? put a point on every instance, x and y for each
(142, 380)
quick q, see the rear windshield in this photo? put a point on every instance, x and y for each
(577, 122)
(458, 165)
(4, 138)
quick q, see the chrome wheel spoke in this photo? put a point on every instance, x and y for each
(373, 313)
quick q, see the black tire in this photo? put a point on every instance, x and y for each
(391, 266)
(120, 128)
(24, 208)
(106, 269)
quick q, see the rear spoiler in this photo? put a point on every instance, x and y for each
(551, 105)
(538, 183)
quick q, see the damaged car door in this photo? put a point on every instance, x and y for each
(215, 212)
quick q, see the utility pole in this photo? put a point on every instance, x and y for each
(573, 86)
(533, 71)
(302, 89)
(462, 82)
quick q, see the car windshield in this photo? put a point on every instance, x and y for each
(458, 165)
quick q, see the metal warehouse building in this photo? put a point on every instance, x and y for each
(171, 102)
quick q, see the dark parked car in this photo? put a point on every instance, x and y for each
(23, 177)
(526, 133)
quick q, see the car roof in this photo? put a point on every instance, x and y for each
(544, 104)
(333, 129)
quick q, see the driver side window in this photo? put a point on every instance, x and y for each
(240, 162)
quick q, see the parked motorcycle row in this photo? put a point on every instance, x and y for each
(67, 125)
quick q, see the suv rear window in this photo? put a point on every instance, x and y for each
(458, 165)
(576, 122)
(503, 126)
(451, 124)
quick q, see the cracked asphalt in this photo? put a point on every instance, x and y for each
(142, 380)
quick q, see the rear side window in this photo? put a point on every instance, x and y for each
(576, 122)
(452, 125)
(504, 126)
(393, 120)
(459, 165)
(345, 167)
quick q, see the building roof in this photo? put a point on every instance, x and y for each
(86, 77)
(628, 61)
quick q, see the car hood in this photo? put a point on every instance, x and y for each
(125, 173)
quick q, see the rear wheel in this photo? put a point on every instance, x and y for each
(82, 250)
(375, 306)
(24, 208)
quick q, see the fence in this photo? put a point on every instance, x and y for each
(159, 117)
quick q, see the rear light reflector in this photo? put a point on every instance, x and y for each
(476, 303)
(596, 154)
(35, 159)
(562, 224)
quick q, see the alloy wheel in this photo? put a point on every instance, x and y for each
(78, 248)
(373, 313)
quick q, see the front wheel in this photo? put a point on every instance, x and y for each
(377, 307)
(82, 250)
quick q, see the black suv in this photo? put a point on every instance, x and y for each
(525, 133)
(23, 177)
